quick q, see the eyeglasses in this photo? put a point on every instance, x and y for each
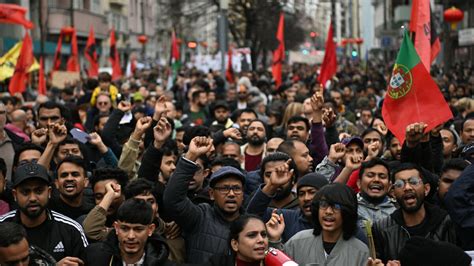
(226, 189)
(324, 205)
(102, 103)
(413, 181)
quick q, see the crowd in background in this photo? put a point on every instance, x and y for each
(206, 171)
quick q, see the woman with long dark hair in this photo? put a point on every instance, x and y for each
(248, 240)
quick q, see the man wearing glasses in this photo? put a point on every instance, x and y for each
(205, 226)
(415, 217)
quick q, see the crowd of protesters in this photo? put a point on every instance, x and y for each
(208, 172)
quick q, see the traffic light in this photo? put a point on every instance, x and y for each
(313, 34)
(354, 53)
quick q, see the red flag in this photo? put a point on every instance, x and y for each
(329, 66)
(425, 38)
(229, 74)
(67, 34)
(133, 66)
(73, 61)
(14, 14)
(91, 54)
(57, 54)
(41, 79)
(23, 64)
(114, 57)
(174, 48)
(412, 95)
(279, 53)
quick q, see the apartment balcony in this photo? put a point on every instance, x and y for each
(83, 19)
(118, 2)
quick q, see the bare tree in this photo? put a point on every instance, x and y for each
(254, 23)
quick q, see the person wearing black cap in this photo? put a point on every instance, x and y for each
(295, 219)
(222, 115)
(53, 232)
(206, 227)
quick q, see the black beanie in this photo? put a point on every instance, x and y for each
(419, 251)
(312, 180)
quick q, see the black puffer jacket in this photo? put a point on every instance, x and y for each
(390, 233)
(205, 228)
(108, 252)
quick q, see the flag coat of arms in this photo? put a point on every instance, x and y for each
(412, 95)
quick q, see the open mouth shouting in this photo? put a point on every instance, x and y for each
(329, 221)
(69, 187)
(410, 198)
(375, 188)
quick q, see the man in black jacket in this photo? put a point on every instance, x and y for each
(132, 242)
(415, 216)
(206, 227)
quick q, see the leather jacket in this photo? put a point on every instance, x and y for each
(391, 233)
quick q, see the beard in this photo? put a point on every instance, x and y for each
(285, 192)
(221, 120)
(32, 214)
(411, 209)
(256, 140)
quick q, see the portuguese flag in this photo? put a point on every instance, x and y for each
(412, 95)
